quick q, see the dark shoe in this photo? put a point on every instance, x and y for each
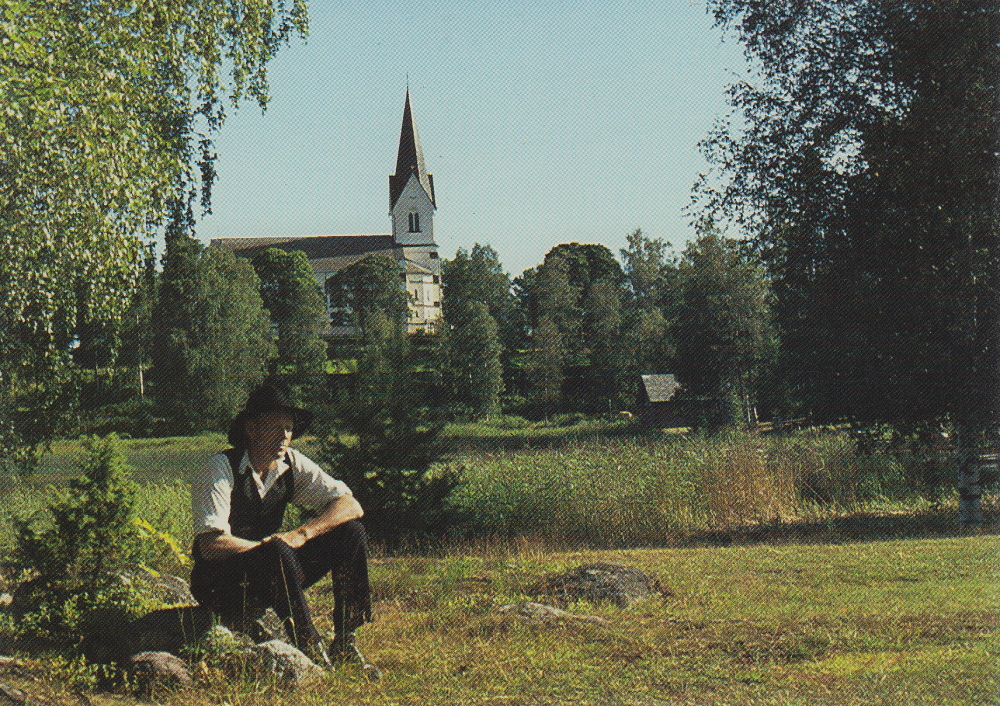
(344, 650)
(315, 651)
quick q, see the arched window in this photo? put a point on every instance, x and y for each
(414, 222)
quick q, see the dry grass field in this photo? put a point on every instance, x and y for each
(878, 622)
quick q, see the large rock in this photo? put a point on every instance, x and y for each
(172, 590)
(281, 661)
(154, 671)
(599, 583)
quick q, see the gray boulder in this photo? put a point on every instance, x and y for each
(618, 584)
(172, 590)
(158, 670)
(281, 661)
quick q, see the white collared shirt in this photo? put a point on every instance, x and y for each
(212, 488)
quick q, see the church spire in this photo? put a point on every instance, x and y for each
(409, 159)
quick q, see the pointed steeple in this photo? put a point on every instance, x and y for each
(409, 159)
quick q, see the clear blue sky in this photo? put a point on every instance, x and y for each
(542, 123)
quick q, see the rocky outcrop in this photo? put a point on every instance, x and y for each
(167, 630)
(618, 584)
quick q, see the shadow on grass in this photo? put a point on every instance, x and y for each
(859, 527)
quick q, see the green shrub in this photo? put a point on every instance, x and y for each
(73, 548)
(507, 421)
(567, 419)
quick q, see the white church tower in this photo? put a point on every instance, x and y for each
(411, 208)
(411, 188)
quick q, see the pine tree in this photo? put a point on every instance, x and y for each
(294, 301)
(213, 338)
(472, 370)
(385, 442)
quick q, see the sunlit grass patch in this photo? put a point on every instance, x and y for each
(901, 622)
(760, 624)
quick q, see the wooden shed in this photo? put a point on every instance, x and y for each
(657, 407)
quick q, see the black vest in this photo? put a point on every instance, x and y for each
(251, 516)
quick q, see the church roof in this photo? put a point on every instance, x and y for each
(409, 159)
(315, 247)
(326, 253)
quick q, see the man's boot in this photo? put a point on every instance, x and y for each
(311, 644)
(344, 650)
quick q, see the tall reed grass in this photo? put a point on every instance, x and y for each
(636, 492)
(601, 490)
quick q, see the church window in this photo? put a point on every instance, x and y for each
(436, 279)
(414, 222)
(433, 255)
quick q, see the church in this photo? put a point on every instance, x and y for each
(411, 242)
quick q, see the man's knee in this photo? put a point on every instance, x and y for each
(281, 560)
(341, 546)
(353, 533)
(343, 538)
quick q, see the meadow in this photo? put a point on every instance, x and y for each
(901, 622)
(794, 572)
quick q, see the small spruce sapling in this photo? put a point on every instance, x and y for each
(73, 548)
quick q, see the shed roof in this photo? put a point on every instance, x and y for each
(660, 388)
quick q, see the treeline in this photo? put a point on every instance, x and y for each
(571, 335)
(577, 331)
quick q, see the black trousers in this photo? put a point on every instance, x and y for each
(240, 588)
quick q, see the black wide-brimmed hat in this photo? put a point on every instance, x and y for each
(269, 397)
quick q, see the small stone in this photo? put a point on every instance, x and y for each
(158, 670)
(529, 612)
(12, 694)
(268, 627)
(219, 640)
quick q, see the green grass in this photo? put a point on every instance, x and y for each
(901, 622)
(593, 482)
(798, 573)
(635, 491)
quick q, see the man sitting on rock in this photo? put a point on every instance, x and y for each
(244, 564)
